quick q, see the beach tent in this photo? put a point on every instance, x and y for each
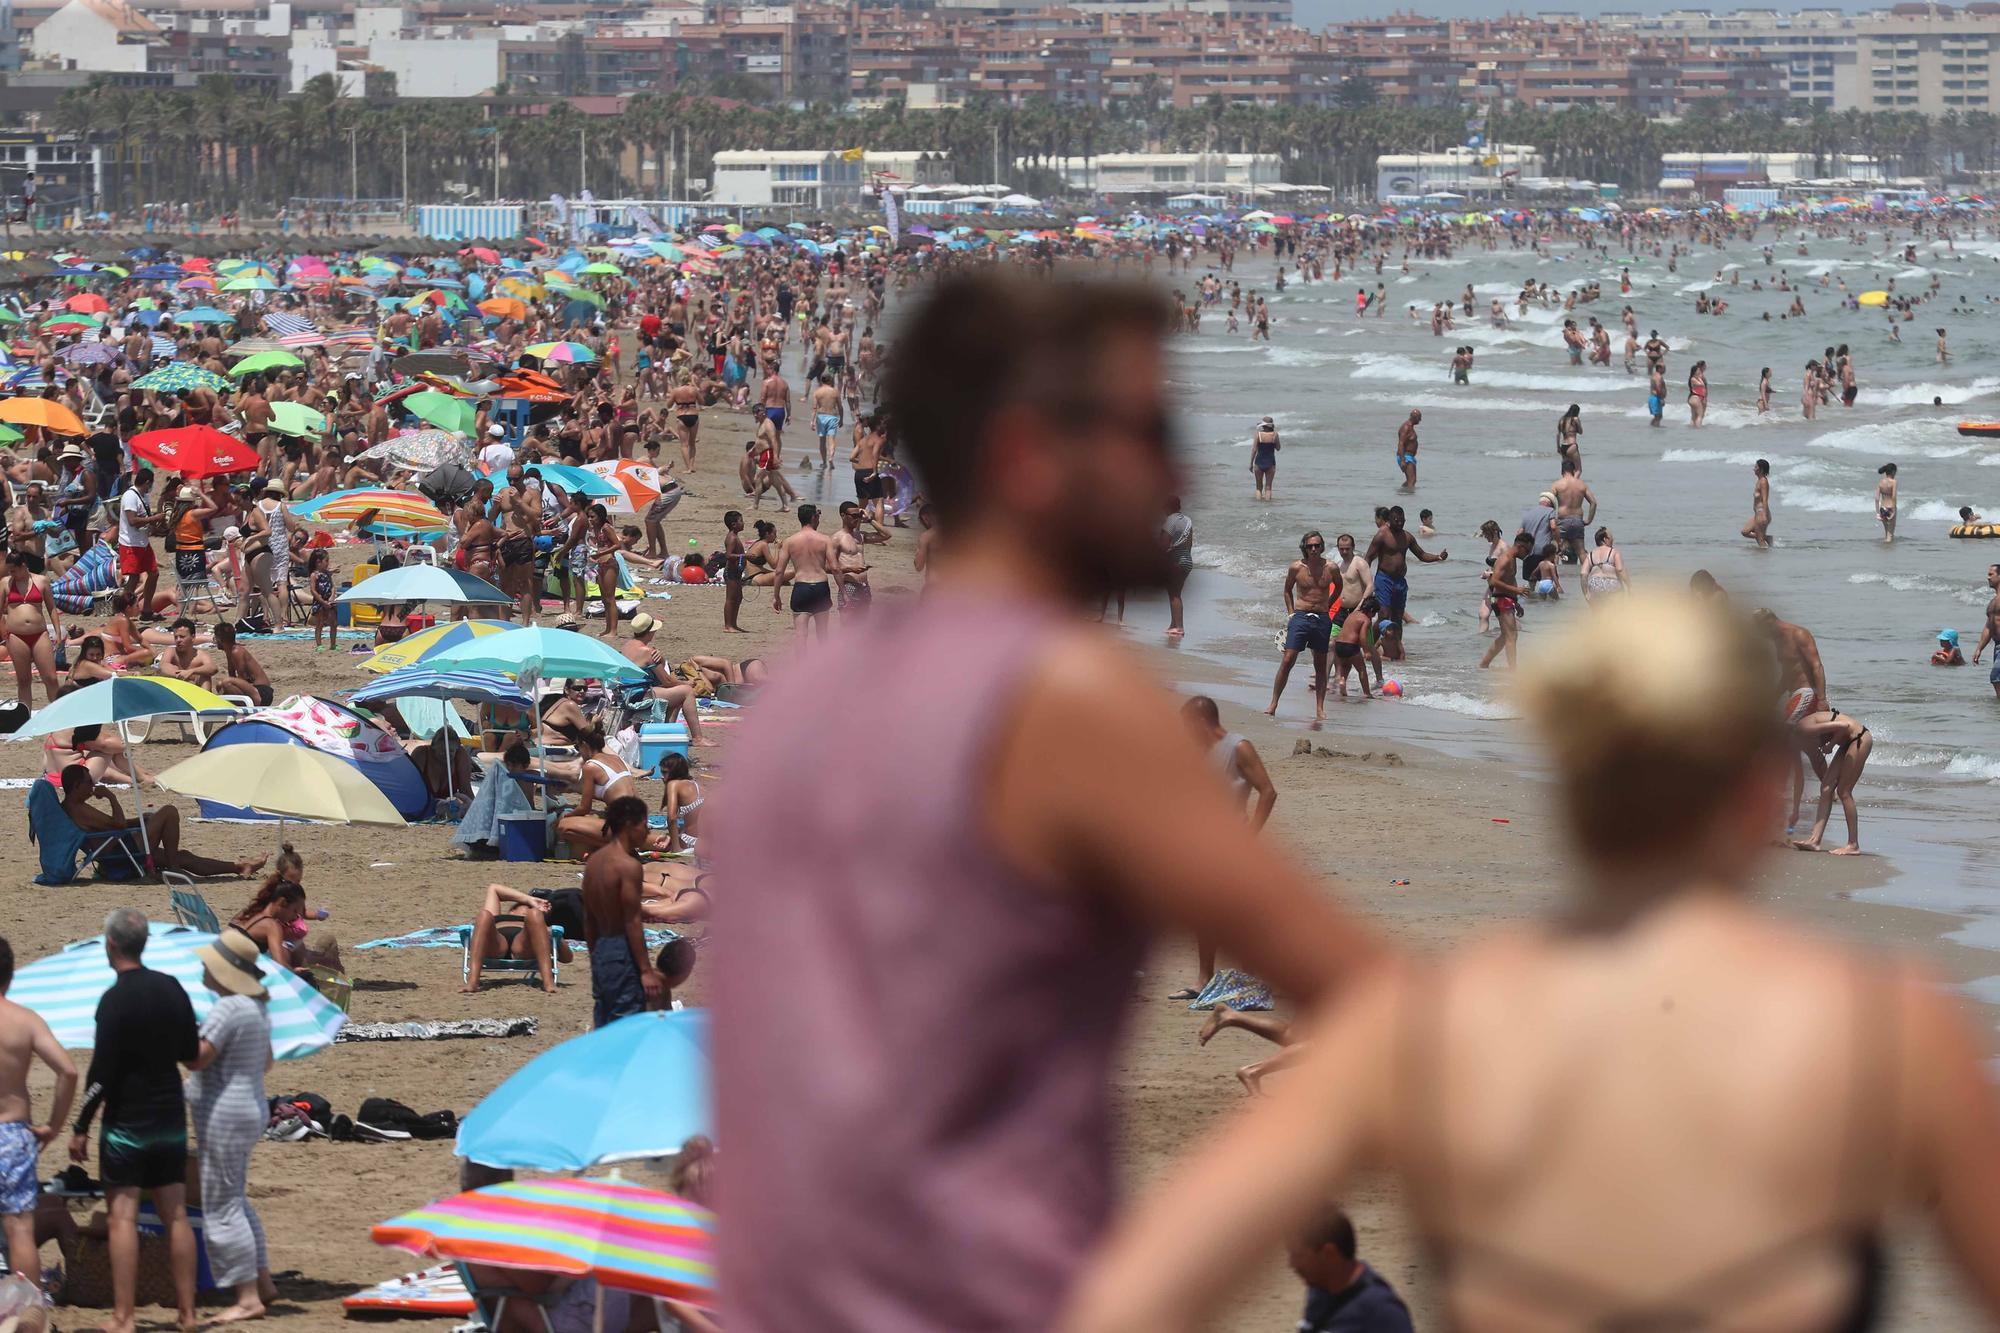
(76, 589)
(331, 729)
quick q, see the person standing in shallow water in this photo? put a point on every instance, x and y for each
(1758, 529)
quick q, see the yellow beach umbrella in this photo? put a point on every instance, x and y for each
(289, 781)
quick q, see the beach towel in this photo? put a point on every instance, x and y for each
(96, 571)
(440, 1030)
(447, 937)
(432, 1291)
(1238, 990)
(497, 797)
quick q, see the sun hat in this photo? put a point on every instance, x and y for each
(567, 621)
(1948, 636)
(644, 624)
(232, 961)
(496, 430)
(70, 451)
(1547, 497)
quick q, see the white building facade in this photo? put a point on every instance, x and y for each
(808, 178)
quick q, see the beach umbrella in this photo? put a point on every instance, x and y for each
(288, 781)
(178, 375)
(568, 478)
(479, 687)
(88, 303)
(535, 652)
(157, 273)
(198, 283)
(482, 254)
(263, 361)
(565, 352)
(601, 267)
(296, 419)
(632, 1089)
(421, 451)
(638, 484)
(89, 353)
(504, 307)
(121, 699)
(444, 411)
(427, 583)
(422, 645)
(71, 323)
(404, 507)
(204, 314)
(64, 989)
(50, 416)
(195, 451)
(257, 282)
(627, 1237)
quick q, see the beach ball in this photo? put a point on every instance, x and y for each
(1393, 688)
(693, 574)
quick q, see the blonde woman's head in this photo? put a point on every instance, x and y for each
(1662, 713)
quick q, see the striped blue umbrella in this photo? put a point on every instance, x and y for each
(479, 687)
(64, 989)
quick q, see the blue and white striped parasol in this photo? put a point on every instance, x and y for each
(64, 989)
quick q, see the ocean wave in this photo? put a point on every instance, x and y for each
(1928, 438)
(1823, 502)
(1738, 458)
(1302, 356)
(1460, 399)
(1974, 766)
(1215, 348)
(1408, 370)
(1508, 453)
(1465, 705)
(1938, 511)
(1924, 391)
(1925, 583)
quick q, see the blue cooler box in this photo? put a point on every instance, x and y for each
(524, 837)
(658, 740)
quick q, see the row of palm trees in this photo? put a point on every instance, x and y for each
(216, 147)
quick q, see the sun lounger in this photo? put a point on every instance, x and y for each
(525, 966)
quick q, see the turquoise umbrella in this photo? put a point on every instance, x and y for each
(178, 375)
(64, 989)
(631, 1089)
(535, 652)
(427, 583)
(578, 479)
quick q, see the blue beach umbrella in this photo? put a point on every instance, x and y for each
(578, 479)
(538, 652)
(427, 583)
(631, 1089)
(64, 989)
(478, 687)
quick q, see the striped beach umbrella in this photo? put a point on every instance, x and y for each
(564, 352)
(639, 484)
(404, 507)
(121, 699)
(627, 1237)
(64, 989)
(416, 647)
(178, 375)
(478, 687)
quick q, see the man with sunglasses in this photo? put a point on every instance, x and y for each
(1309, 582)
(930, 950)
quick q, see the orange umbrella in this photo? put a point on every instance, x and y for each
(504, 307)
(87, 303)
(43, 412)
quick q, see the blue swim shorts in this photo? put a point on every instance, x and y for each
(1392, 594)
(1307, 629)
(18, 1184)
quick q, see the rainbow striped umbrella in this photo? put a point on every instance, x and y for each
(565, 352)
(403, 507)
(416, 647)
(626, 1236)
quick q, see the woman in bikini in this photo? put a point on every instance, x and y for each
(602, 551)
(680, 799)
(1604, 569)
(757, 555)
(604, 778)
(1569, 436)
(30, 609)
(103, 752)
(686, 403)
(276, 918)
(1535, 1092)
(1847, 745)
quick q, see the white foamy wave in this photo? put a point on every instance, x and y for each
(1823, 502)
(1938, 511)
(1890, 758)
(1974, 766)
(1507, 453)
(1408, 370)
(1923, 393)
(1464, 705)
(1422, 399)
(1302, 356)
(1741, 458)
(1923, 583)
(1215, 348)
(1897, 439)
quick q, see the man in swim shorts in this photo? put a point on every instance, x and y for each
(1406, 449)
(1389, 553)
(622, 977)
(807, 557)
(776, 403)
(1309, 583)
(1990, 632)
(1576, 509)
(25, 1038)
(826, 417)
(1802, 678)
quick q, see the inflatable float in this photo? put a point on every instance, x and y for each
(1985, 429)
(1975, 530)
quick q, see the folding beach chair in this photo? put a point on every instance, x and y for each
(67, 850)
(489, 1303)
(189, 907)
(524, 966)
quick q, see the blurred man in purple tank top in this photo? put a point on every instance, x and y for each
(925, 966)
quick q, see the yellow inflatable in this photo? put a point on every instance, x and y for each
(1975, 530)
(1873, 298)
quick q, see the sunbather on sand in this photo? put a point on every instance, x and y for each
(526, 939)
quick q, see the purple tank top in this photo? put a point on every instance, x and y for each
(912, 1040)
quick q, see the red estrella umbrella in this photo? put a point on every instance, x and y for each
(195, 451)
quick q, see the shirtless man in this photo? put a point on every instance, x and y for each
(1576, 509)
(255, 410)
(183, 660)
(518, 506)
(850, 562)
(1309, 584)
(1354, 581)
(826, 418)
(774, 405)
(1990, 633)
(1802, 684)
(866, 459)
(25, 1038)
(1758, 529)
(622, 977)
(1389, 553)
(1406, 449)
(807, 556)
(240, 673)
(163, 827)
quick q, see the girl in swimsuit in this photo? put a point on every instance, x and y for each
(29, 608)
(276, 918)
(1530, 1089)
(680, 799)
(1603, 569)
(1697, 393)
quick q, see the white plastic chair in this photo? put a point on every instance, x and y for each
(195, 726)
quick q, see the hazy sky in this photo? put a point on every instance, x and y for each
(1318, 13)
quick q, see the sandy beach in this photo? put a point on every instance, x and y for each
(1361, 812)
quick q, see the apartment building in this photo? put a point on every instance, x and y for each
(1913, 57)
(1135, 174)
(813, 179)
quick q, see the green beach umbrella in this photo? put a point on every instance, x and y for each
(262, 361)
(444, 411)
(296, 419)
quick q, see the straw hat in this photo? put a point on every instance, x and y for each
(232, 961)
(644, 624)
